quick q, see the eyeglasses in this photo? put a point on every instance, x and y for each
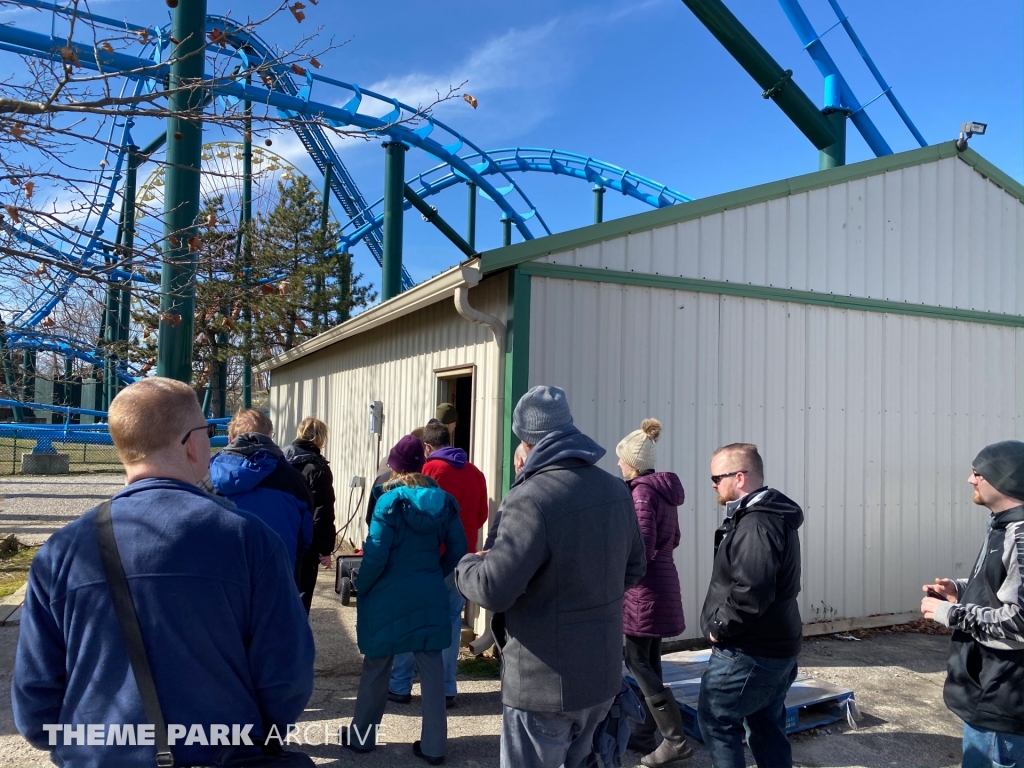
(211, 430)
(716, 479)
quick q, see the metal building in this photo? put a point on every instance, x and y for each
(863, 325)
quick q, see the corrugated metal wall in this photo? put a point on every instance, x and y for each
(395, 364)
(906, 235)
(869, 421)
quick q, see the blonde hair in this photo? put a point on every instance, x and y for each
(249, 420)
(312, 429)
(410, 480)
(149, 415)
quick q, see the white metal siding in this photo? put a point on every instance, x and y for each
(939, 233)
(869, 421)
(395, 364)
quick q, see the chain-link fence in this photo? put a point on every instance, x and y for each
(62, 448)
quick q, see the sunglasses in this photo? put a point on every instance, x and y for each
(716, 479)
(211, 430)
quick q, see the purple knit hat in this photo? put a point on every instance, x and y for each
(407, 455)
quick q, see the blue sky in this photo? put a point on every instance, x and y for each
(643, 85)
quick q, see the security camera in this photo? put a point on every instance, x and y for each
(967, 130)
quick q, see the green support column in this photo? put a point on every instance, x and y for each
(247, 254)
(471, 224)
(344, 308)
(598, 205)
(181, 190)
(110, 338)
(320, 309)
(128, 239)
(28, 376)
(506, 231)
(517, 362)
(6, 361)
(394, 210)
(835, 155)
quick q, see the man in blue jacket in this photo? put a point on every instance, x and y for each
(224, 631)
(254, 474)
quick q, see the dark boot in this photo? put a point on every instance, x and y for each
(669, 720)
(641, 735)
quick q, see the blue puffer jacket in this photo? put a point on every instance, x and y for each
(254, 474)
(403, 600)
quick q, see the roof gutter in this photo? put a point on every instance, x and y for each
(465, 275)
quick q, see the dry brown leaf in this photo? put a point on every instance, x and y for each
(70, 55)
(282, 288)
(175, 242)
(107, 47)
(41, 270)
(29, 188)
(48, 322)
(314, 62)
(13, 211)
(170, 318)
(298, 70)
(143, 35)
(194, 244)
(296, 9)
(17, 131)
(469, 100)
(266, 289)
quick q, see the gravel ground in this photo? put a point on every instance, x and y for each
(897, 677)
(33, 507)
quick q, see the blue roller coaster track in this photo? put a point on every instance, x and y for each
(304, 101)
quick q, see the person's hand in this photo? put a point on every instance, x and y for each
(942, 589)
(929, 606)
(325, 561)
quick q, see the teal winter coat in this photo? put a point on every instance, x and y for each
(402, 603)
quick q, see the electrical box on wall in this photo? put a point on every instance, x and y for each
(377, 417)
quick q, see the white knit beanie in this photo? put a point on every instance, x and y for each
(638, 448)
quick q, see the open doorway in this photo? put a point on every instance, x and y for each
(457, 386)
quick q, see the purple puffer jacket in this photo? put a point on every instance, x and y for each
(654, 607)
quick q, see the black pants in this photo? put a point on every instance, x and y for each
(643, 660)
(309, 567)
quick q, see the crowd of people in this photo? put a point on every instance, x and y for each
(184, 600)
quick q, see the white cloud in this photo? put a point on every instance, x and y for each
(518, 59)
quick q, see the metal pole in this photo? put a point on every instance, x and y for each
(835, 155)
(598, 204)
(344, 309)
(320, 309)
(394, 209)
(432, 216)
(471, 226)
(506, 231)
(28, 378)
(247, 253)
(5, 359)
(181, 204)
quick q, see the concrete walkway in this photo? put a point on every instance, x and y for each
(33, 507)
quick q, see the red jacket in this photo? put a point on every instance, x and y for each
(455, 475)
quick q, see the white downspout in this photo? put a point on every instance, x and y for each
(497, 327)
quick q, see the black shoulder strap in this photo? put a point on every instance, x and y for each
(131, 633)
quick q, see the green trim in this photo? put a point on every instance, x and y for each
(508, 256)
(517, 361)
(767, 293)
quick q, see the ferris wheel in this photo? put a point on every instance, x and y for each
(222, 178)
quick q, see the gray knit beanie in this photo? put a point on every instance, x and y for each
(541, 410)
(1002, 465)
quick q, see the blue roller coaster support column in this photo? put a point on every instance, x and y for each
(471, 223)
(181, 202)
(598, 205)
(506, 231)
(247, 253)
(831, 157)
(394, 208)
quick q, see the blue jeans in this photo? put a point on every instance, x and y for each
(546, 739)
(737, 687)
(405, 663)
(992, 749)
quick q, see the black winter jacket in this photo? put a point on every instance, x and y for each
(751, 603)
(985, 683)
(307, 459)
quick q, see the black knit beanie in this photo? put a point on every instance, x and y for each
(1002, 465)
